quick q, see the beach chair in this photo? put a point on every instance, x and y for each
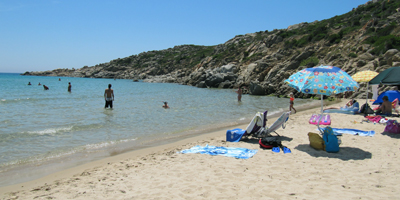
(258, 126)
(395, 106)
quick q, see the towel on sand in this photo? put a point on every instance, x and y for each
(339, 131)
(223, 151)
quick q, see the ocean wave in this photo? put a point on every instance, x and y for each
(51, 131)
(37, 159)
(106, 144)
(18, 100)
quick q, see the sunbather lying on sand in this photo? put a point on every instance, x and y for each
(348, 105)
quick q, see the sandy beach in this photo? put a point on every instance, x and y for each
(364, 168)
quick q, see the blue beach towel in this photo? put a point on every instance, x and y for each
(234, 135)
(339, 131)
(242, 153)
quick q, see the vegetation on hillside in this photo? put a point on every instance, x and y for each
(372, 28)
(330, 31)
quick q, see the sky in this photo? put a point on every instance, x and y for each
(40, 35)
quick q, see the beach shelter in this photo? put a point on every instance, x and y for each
(392, 94)
(390, 76)
(365, 76)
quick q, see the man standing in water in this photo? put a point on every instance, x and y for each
(69, 86)
(109, 96)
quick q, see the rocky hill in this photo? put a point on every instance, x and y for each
(366, 38)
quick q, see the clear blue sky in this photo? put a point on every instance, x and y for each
(39, 35)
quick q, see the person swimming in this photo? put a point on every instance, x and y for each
(165, 105)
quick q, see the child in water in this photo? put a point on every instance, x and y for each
(239, 92)
(165, 105)
(292, 102)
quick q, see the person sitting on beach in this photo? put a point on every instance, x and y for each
(385, 108)
(45, 87)
(349, 104)
(165, 105)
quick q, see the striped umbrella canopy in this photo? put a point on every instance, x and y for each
(364, 76)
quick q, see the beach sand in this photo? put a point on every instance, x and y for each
(364, 168)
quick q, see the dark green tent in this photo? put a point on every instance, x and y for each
(390, 76)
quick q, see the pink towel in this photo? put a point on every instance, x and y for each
(375, 119)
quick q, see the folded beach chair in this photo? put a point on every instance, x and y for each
(258, 126)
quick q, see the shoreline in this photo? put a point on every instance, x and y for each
(105, 161)
(159, 172)
(32, 171)
(145, 146)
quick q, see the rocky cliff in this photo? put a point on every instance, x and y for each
(366, 38)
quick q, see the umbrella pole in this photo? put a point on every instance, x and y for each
(322, 104)
(366, 96)
(322, 111)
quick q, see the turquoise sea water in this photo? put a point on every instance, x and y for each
(43, 131)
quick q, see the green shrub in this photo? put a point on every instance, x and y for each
(385, 43)
(311, 61)
(318, 37)
(290, 43)
(334, 39)
(352, 55)
(302, 42)
(331, 98)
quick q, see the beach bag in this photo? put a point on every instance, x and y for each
(366, 109)
(392, 126)
(316, 141)
(269, 142)
(234, 135)
(330, 140)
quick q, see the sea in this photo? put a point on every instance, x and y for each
(45, 131)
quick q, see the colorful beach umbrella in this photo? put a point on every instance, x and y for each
(323, 80)
(364, 76)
